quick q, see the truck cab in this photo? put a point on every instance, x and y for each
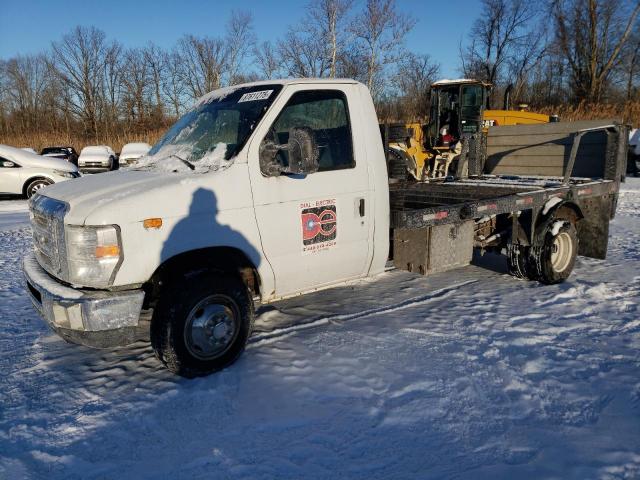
(260, 192)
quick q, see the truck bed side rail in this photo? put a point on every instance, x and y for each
(584, 149)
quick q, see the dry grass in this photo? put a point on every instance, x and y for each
(39, 140)
(627, 112)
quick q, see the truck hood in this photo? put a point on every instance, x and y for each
(126, 196)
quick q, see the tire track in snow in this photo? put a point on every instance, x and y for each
(277, 334)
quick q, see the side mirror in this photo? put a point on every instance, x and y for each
(8, 164)
(302, 152)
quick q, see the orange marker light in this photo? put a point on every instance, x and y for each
(152, 223)
(107, 251)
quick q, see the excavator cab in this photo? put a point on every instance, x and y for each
(457, 108)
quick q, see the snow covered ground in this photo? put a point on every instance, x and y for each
(466, 374)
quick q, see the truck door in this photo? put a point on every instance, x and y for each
(315, 229)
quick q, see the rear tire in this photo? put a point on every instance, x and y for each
(553, 261)
(35, 185)
(202, 324)
(518, 261)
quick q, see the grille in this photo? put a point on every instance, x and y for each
(47, 217)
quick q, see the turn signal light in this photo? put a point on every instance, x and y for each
(103, 251)
(152, 223)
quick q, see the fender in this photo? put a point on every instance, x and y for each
(228, 260)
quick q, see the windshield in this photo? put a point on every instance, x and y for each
(208, 136)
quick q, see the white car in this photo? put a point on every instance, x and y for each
(133, 151)
(24, 173)
(634, 141)
(97, 158)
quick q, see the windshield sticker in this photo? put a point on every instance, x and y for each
(319, 225)
(253, 96)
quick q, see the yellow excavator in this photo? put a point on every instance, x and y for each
(458, 110)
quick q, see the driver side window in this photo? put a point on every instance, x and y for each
(326, 113)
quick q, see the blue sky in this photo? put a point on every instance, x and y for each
(29, 26)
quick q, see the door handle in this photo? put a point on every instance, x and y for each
(361, 207)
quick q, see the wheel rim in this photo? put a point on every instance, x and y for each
(211, 328)
(37, 186)
(561, 251)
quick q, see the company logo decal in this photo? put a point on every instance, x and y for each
(319, 225)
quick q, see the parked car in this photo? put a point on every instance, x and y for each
(24, 173)
(633, 158)
(133, 151)
(29, 149)
(65, 153)
(98, 158)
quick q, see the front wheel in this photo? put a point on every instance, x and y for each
(36, 185)
(202, 325)
(554, 260)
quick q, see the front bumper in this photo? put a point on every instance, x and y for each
(99, 319)
(94, 169)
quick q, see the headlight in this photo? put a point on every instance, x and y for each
(93, 255)
(62, 173)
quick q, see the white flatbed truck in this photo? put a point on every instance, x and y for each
(273, 189)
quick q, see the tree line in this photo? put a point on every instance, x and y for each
(547, 52)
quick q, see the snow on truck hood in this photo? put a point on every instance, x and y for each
(171, 159)
(126, 196)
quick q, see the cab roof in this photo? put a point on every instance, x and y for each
(459, 81)
(224, 91)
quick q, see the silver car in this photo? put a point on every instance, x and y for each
(24, 173)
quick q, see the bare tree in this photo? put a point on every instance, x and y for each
(413, 79)
(4, 92)
(591, 34)
(267, 60)
(79, 61)
(303, 55)
(240, 40)
(172, 85)
(327, 19)
(156, 58)
(112, 86)
(204, 61)
(502, 37)
(27, 81)
(136, 85)
(524, 57)
(380, 32)
(631, 62)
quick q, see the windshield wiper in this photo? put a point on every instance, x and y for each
(186, 162)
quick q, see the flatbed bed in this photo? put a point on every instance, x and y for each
(529, 184)
(420, 205)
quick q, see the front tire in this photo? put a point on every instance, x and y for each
(35, 185)
(553, 261)
(202, 324)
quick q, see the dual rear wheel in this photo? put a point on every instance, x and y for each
(554, 257)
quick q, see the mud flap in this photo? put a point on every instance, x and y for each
(593, 229)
